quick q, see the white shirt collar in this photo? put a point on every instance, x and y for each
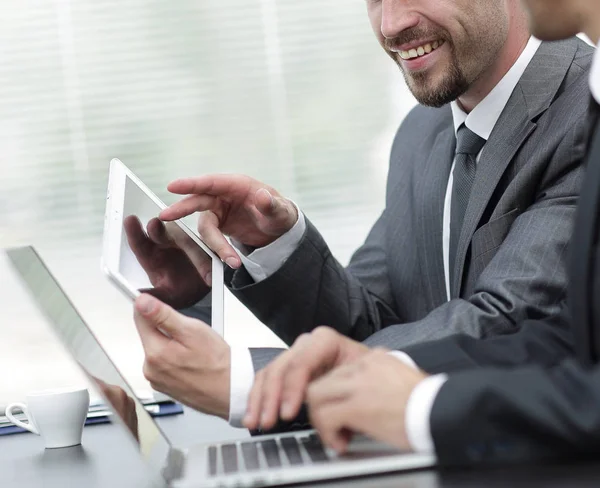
(484, 116)
(595, 76)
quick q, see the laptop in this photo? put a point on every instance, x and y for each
(268, 460)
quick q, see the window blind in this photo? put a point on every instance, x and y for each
(296, 94)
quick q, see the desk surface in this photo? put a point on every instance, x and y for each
(24, 463)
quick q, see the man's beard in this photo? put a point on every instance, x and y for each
(453, 85)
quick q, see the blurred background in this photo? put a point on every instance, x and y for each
(296, 94)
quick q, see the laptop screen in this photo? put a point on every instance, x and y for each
(85, 348)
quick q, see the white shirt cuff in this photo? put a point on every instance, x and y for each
(405, 358)
(265, 261)
(241, 379)
(418, 413)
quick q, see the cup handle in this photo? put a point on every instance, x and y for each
(29, 425)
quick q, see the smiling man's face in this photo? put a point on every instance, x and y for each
(441, 46)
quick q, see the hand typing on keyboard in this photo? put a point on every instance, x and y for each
(366, 396)
(280, 388)
(347, 386)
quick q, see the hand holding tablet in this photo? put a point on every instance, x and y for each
(165, 259)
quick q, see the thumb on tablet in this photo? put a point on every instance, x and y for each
(161, 316)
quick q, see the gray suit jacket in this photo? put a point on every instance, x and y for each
(511, 254)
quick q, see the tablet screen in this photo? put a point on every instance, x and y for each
(160, 258)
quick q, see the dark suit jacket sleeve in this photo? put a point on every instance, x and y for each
(544, 343)
(521, 415)
(312, 288)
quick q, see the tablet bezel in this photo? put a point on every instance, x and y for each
(113, 233)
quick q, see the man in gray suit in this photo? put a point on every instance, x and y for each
(454, 250)
(473, 253)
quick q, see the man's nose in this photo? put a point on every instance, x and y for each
(396, 17)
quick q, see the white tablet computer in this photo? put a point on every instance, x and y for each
(130, 208)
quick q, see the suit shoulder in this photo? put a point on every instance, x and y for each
(572, 98)
(423, 123)
(584, 55)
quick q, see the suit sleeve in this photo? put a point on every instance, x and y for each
(312, 288)
(545, 343)
(532, 414)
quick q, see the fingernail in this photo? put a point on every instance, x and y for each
(208, 279)
(247, 419)
(263, 419)
(146, 304)
(232, 262)
(286, 410)
(270, 196)
(264, 190)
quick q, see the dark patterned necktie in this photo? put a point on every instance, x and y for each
(468, 145)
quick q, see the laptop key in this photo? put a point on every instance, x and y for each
(314, 448)
(250, 453)
(230, 458)
(212, 460)
(291, 449)
(271, 451)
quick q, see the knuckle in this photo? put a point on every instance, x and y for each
(294, 363)
(297, 366)
(153, 366)
(153, 359)
(324, 333)
(207, 220)
(148, 371)
(221, 249)
(121, 396)
(301, 338)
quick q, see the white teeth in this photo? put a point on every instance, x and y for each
(421, 50)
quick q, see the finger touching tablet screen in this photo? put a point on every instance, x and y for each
(166, 259)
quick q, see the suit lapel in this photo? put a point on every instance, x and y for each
(532, 96)
(430, 193)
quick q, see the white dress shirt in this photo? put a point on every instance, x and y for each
(595, 76)
(263, 262)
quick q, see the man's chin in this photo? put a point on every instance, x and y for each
(434, 97)
(432, 93)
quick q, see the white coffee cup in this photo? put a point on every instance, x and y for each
(57, 416)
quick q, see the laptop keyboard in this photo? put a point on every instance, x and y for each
(267, 454)
(250, 454)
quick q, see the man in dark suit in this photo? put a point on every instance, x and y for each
(454, 250)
